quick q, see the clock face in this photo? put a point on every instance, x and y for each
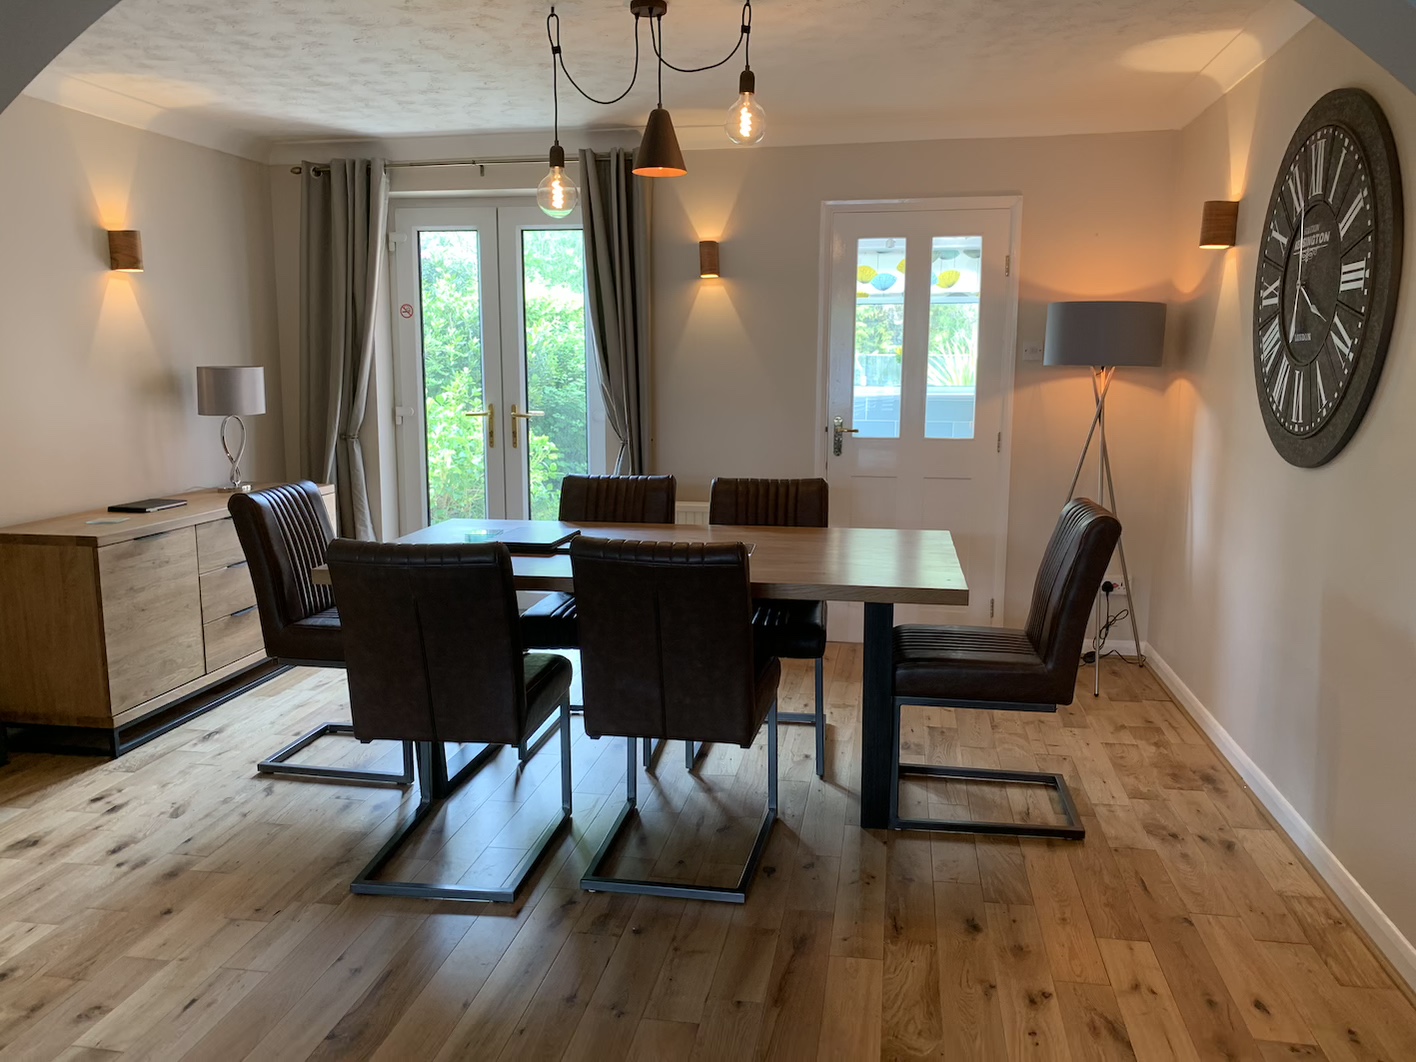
(1328, 271)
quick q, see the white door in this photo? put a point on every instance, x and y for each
(921, 318)
(497, 394)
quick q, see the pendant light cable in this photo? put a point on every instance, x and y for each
(558, 57)
(744, 35)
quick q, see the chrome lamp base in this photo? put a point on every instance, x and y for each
(236, 486)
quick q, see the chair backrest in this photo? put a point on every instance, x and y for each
(284, 532)
(618, 499)
(666, 647)
(431, 641)
(1071, 573)
(769, 502)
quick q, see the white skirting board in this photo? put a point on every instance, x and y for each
(1383, 931)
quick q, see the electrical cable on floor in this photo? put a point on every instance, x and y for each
(1098, 649)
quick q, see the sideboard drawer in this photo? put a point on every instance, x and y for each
(217, 545)
(232, 637)
(152, 612)
(226, 590)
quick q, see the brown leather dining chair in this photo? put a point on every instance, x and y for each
(795, 629)
(552, 622)
(284, 533)
(434, 655)
(998, 669)
(667, 652)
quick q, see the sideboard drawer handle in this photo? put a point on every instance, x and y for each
(155, 534)
(238, 564)
(248, 608)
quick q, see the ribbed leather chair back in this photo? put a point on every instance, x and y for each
(769, 502)
(1067, 582)
(431, 641)
(284, 532)
(666, 640)
(618, 499)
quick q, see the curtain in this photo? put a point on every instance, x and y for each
(615, 204)
(343, 218)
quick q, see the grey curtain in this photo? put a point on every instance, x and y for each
(343, 219)
(615, 204)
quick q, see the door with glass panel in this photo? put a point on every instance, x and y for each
(920, 323)
(497, 397)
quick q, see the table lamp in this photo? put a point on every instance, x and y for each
(1103, 336)
(231, 392)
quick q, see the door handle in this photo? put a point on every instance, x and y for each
(515, 416)
(491, 414)
(838, 432)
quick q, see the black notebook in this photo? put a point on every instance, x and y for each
(147, 505)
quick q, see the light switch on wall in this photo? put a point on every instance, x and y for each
(1032, 352)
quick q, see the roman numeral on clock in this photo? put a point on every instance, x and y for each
(1354, 275)
(1337, 173)
(1348, 219)
(1318, 157)
(1268, 294)
(1295, 412)
(1295, 190)
(1279, 389)
(1341, 340)
(1270, 339)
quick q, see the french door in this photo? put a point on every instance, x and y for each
(497, 396)
(921, 319)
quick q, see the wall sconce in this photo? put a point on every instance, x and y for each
(125, 250)
(708, 259)
(1220, 224)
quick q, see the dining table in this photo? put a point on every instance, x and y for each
(876, 566)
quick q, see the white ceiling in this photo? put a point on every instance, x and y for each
(247, 73)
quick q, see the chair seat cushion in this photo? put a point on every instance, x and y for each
(547, 685)
(317, 640)
(794, 629)
(551, 623)
(972, 664)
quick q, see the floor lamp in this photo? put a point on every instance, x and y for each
(1103, 336)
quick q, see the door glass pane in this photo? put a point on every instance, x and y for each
(553, 278)
(452, 374)
(953, 337)
(879, 337)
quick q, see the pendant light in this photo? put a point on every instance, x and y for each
(747, 122)
(556, 195)
(659, 154)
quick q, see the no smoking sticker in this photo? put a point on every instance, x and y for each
(406, 310)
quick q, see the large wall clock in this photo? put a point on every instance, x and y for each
(1327, 278)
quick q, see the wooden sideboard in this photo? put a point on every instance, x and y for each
(106, 627)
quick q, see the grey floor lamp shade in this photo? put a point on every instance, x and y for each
(231, 392)
(1105, 333)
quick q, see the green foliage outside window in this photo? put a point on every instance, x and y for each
(554, 292)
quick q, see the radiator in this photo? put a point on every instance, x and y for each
(687, 512)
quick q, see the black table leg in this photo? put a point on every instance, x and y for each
(877, 759)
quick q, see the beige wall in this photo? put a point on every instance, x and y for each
(735, 371)
(1286, 598)
(97, 389)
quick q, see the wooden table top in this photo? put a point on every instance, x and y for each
(79, 529)
(806, 563)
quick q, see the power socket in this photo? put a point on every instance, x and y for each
(1118, 585)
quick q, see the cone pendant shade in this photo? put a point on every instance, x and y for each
(659, 154)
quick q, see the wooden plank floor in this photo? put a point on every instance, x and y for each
(172, 904)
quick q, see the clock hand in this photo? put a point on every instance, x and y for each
(1303, 288)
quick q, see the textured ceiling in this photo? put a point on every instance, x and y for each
(296, 69)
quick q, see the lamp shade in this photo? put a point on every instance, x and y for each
(659, 154)
(708, 259)
(1105, 333)
(230, 390)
